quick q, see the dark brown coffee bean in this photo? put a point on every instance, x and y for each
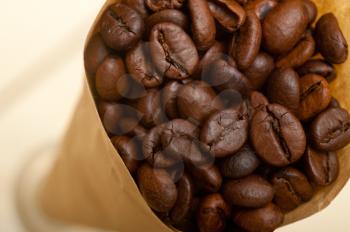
(261, 7)
(264, 219)
(315, 96)
(311, 10)
(247, 41)
(158, 5)
(212, 214)
(169, 99)
(330, 131)
(259, 70)
(141, 67)
(252, 191)
(197, 100)
(95, 52)
(241, 164)
(157, 188)
(283, 88)
(225, 132)
(291, 189)
(207, 178)
(121, 27)
(321, 167)
(229, 14)
(284, 25)
(319, 67)
(334, 103)
(139, 6)
(301, 53)
(215, 52)
(173, 51)
(203, 24)
(330, 39)
(278, 136)
(258, 101)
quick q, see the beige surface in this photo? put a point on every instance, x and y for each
(44, 75)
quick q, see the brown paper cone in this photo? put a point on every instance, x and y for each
(90, 185)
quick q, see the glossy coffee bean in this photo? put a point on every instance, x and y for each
(139, 6)
(203, 24)
(261, 7)
(173, 51)
(121, 27)
(207, 178)
(311, 10)
(252, 191)
(334, 103)
(141, 67)
(264, 219)
(215, 52)
(258, 101)
(225, 132)
(284, 25)
(259, 71)
(157, 188)
(292, 189)
(277, 136)
(128, 151)
(158, 5)
(330, 39)
(169, 99)
(229, 14)
(283, 88)
(321, 167)
(241, 164)
(212, 214)
(319, 67)
(197, 100)
(301, 53)
(315, 96)
(330, 130)
(95, 53)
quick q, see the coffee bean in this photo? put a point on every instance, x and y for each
(330, 39)
(311, 10)
(241, 164)
(283, 88)
(258, 101)
(321, 167)
(215, 52)
(284, 25)
(212, 214)
(203, 24)
(252, 191)
(157, 188)
(277, 136)
(292, 188)
(334, 103)
(314, 96)
(261, 7)
(330, 130)
(207, 178)
(169, 99)
(225, 132)
(229, 14)
(158, 5)
(139, 6)
(173, 51)
(319, 67)
(230, 98)
(121, 27)
(95, 52)
(264, 219)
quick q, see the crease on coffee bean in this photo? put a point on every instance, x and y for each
(338, 131)
(314, 87)
(290, 188)
(120, 22)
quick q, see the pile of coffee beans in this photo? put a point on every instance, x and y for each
(221, 109)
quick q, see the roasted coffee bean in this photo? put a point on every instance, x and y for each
(207, 178)
(158, 5)
(330, 130)
(157, 188)
(283, 88)
(284, 25)
(292, 188)
(258, 101)
(311, 10)
(321, 167)
(301, 53)
(334, 103)
(231, 98)
(229, 14)
(121, 27)
(128, 151)
(319, 67)
(264, 219)
(197, 100)
(241, 164)
(95, 53)
(173, 51)
(169, 99)
(252, 191)
(259, 70)
(225, 132)
(261, 7)
(247, 42)
(278, 136)
(315, 96)
(139, 6)
(110, 83)
(182, 207)
(215, 52)
(203, 24)
(212, 214)
(330, 39)
(177, 171)
(141, 67)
